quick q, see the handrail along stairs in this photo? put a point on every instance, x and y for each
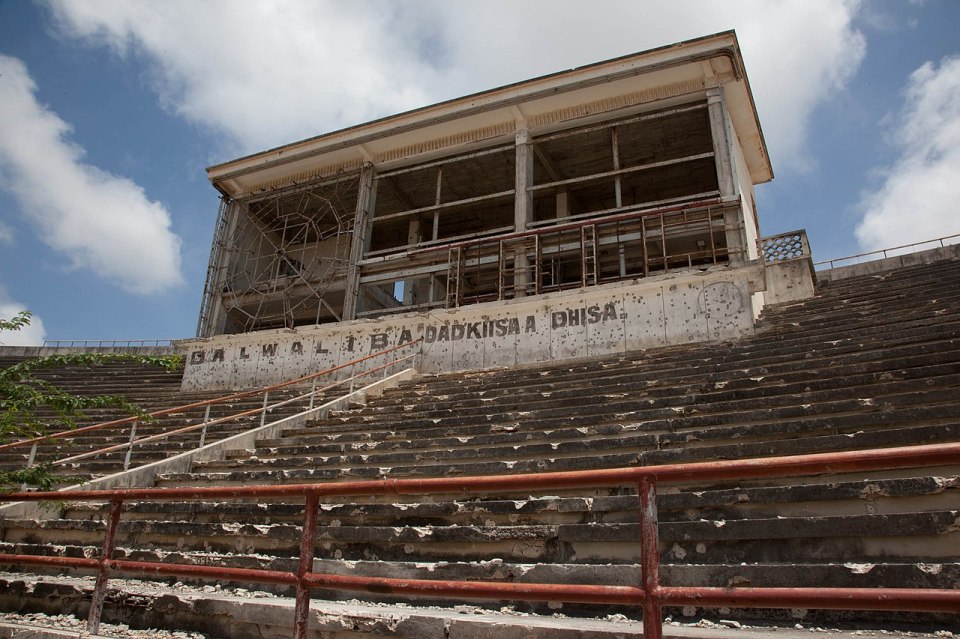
(206, 404)
(652, 596)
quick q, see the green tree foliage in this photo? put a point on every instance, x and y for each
(15, 324)
(32, 407)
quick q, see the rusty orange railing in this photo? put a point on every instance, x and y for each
(133, 420)
(652, 596)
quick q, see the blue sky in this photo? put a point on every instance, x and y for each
(110, 111)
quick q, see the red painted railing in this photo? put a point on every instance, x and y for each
(651, 596)
(133, 420)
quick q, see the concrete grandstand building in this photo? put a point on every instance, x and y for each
(597, 210)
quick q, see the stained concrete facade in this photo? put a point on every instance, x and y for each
(556, 193)
(614, 318)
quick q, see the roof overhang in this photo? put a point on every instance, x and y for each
(631, 83)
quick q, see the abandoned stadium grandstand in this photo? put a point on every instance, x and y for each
(519, 363)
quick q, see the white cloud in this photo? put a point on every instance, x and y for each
(918, 196)
(100, 221)
(263, 73)
(31, 335)
(797, 53)
(268, 73)
(6, 234)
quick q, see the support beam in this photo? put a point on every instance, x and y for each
(523, 207)
(723, 159)
(716, 106)
(617, 181)
(380, 298)
(222, 257)
(411, 287)
(360, 243)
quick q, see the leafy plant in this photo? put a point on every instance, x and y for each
(16, 323)
(32, 407)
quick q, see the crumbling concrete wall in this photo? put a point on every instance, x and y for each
(684, 307)
(789, 281)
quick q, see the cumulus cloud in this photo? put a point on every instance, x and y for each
(797, 53)
(264, 73)
(99, 220)
(917, 198)
(275, 72)
(31, 335)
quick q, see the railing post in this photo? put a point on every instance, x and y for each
(30, 460)
(203, 431)
(100, 588)
(33, 455)
(133, 435)
(263, 413)
(650, 560)
(301, 617)
(313, 392)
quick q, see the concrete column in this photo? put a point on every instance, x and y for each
(723, 158)
(411, 287)
(221, 265)
(360, 242)
(523, 207)
(563, 203)
(717, 108)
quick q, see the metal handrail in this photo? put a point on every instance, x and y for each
(651, 596)
(104, 343)
(246, 413)
(595, 218)
(884, 251)
(206, 423)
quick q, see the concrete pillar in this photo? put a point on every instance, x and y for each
(221, 263)
(717, 108)
(723, 159)
(411, 287)
(523, 207)
(360, 242)
(563, 203)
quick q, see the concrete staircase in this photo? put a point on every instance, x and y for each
(870, 362)
(149, 386)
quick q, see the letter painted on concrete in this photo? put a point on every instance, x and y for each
(609, 311)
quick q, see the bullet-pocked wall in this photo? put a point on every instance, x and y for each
(614, 318)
